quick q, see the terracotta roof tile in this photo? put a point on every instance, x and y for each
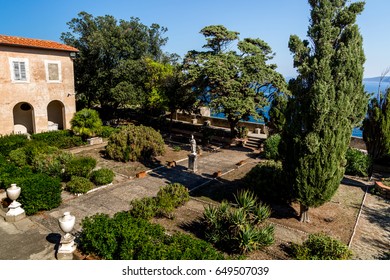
(34, 43)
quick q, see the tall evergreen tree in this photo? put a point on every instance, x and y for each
(328, 100)
(376, 128)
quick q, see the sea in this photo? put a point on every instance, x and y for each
(372, 86)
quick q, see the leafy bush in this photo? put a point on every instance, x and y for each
(133, 143)
(107, 131)
(242, 132)
(80, 166)
(38, 192)
(266, 181)
(321, 247)
(86, 123)
(26, 154)
(11, 142)
(18, 156)
(62, 139)
(357, 162)
(79, 185)
(102, 176)
(271, 147)
(9, 172)
(239, 229)
(52, 163)
(145, 208)
(170, 197)
(126, 237)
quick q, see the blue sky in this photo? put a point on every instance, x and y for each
(271, 20)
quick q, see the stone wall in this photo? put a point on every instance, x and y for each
(219, 122)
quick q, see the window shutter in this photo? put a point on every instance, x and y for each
(16, 70)
(23, 75)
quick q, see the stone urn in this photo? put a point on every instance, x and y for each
(67, 244)
(15, 211)
(67, 222)
(13, 192)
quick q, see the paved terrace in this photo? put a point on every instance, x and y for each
(35, 237)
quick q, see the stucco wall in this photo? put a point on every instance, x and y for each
(37, 91)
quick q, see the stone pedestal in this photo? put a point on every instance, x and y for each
(15, 212)
(193, 162)
(95, 140)
(67, 247)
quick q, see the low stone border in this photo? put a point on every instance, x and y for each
(382, 189)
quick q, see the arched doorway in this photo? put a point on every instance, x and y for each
(23, 118)
(55, 115)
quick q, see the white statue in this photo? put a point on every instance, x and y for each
(193, 145)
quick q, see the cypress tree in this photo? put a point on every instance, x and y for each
(327, 101)
(376, 128)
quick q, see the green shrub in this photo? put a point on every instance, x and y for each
(266, 181)
(239, 229)
(9, 173)
(62, 139)
(52, 163)
(321, 247)
(125, 237)
(38, 192)
(145, 208)
(170, 197)
(134, 143)
(11, 142)
(86, 123)
(357, 162)
(242, 132)
(80, 166)
(27, 154)
(102, 176)
(107, 131)
(271, 147)
(79, 185)
(19, 157)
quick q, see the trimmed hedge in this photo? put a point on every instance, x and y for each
(79, 185)
(79, 166)
(62, 139)
(102, 176)
(38, 192)
(125, 237)
(11, 142)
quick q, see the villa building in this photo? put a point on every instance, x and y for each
(36, 85)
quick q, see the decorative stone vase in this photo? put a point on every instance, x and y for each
(15, 212)
(67, 222)
(13, 192)
(67, 244)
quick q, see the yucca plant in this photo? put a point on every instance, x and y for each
(246, 199)
(238, 229)
(261, 212)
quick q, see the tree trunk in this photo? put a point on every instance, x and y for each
(304, 215)
(171, 124)
(233, 125)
